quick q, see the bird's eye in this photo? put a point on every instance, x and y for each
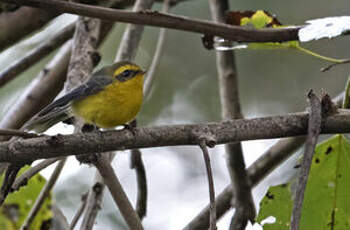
(126, 73)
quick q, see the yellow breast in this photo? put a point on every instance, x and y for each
(115, 105)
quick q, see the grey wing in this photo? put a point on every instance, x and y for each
(59, 110)
(93, 86)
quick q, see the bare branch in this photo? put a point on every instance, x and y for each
(17, 133)
(234, 33)
(44, 193)
(228, 131)
(111, 180)
(93, 203)
(40, 92)
(212, 224)
(142, 191)
(25, 177)
(79, 212)
(21, 22)
(264, 165)
(314, 128)
(132, 35)
(231, 109)
(156, 57)
(33, 56)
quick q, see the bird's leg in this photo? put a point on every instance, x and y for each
(131, 126)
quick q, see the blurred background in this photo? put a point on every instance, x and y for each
(185, 90)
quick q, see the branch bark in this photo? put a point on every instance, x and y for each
(314, 128)
(171, 135)
(231, 109)
(20, 23)
(234, 33)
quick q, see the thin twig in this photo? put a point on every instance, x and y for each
(18, 133)
(156, 57)
(142, 191)
(120, 198)
(79, 212)
(35, 55)
(314, 128)
(25, 177)
(212, 224)
(93, 203)
(44, 193)
(234, 33)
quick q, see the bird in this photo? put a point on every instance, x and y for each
(112, 96)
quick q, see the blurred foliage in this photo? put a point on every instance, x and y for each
(18, 204)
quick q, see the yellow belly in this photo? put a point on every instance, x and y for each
(116, 105)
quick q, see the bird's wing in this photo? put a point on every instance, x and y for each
(59, 110)
(93, 86)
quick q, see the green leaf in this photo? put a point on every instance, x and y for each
(327, 196)
(18, 204)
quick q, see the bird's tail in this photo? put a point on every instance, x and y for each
(41, 122)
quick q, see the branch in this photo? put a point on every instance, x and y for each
(93, 203)
(314, 128)
(171, 135)
(25, 177)
(20, 23)
(264, 165)
(79, 212)
(120, 198)
(42, 90)
(231, 109)
(35, 55)
(156, 57)
(43, 195)
(212, 225)
(234, 33)
(142, 191)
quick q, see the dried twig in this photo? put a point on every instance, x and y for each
(79, 212)
(17, 133)
(110, 178)
(25, 177)
(314, 128)
(33, 56)
(142, 191)
(43, 195)
(234, 33)
(212, 223)
(156, 57)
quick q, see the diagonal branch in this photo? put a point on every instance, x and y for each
(234, 33)
(314, 128)
(35, 55)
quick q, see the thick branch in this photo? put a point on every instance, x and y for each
(224, 132)
(35, 55)
(234, 33)
(18, 24)
(314, 128)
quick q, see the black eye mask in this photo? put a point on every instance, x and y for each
(127, 74)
